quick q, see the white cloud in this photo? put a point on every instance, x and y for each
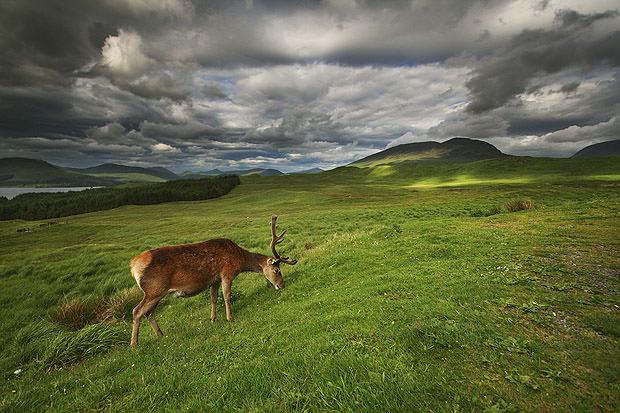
(123, 54)
(164, 148)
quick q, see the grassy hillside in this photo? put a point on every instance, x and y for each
(508, 170)
(124, 173)
(129, 177)
(33, 172)
(416, 290)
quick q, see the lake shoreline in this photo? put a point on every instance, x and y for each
(11, 192)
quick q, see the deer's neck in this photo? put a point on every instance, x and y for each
(254, 262)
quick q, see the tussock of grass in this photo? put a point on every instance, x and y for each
(78, 329)
(497, 209)
(120, 305)
(69, 347)
(78, 312)
(519, 205)
(32, 340)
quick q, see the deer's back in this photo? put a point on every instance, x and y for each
(190, 266)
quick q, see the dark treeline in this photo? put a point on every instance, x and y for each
(53, 205)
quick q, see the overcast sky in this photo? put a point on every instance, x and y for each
(195, 85)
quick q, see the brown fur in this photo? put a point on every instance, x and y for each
(189, 269)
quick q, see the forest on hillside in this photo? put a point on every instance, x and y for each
(34, 206)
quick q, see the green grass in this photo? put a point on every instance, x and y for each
(405, 298)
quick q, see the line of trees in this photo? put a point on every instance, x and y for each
(53, 205)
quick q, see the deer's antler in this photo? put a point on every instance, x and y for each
(275, 240)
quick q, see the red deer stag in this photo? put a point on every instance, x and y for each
(189, 269)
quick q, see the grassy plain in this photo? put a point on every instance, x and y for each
(411, 294)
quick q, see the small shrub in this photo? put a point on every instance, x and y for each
(120, 305)
(78, 312)
(71, 347)
(519, 205)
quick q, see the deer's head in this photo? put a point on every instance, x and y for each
(272, 269)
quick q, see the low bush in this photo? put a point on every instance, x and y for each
(519, 205)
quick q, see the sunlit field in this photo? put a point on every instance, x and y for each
(417, 289)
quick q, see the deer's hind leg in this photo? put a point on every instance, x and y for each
(146, 306)
(151, 317)
(214, 290)
(226, 292)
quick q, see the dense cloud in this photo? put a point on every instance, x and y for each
(571, 42)
(230, 84)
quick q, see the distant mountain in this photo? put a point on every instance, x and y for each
(609, 148)
(255, 171)
(239, 172)
(112, 169)
(309, 171)
(453, 150)
(212, 172)
(34, 172)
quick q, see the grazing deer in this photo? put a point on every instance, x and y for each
(189, 269)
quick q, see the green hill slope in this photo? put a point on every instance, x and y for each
(453, 150)
(403, 299)
(33, 172)
(506, 170)
(126, 173)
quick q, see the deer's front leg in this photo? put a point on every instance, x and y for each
(214, 289)
(226, 284)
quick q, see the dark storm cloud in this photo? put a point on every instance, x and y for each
(202, 84)
(542, 125)
(570, 87)
(508, 71)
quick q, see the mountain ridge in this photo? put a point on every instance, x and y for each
(607, 148)
(18, 171)
(114, 168)
(453, 150)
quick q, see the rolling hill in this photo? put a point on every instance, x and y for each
(309, 171)
(609, 148)
(457, 150)
(129, 173)
(239, 172)
(34, 172)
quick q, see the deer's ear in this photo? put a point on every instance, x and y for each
(272, 261)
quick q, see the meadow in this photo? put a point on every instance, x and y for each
(479, 287)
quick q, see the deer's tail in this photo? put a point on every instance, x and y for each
(137, 266)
